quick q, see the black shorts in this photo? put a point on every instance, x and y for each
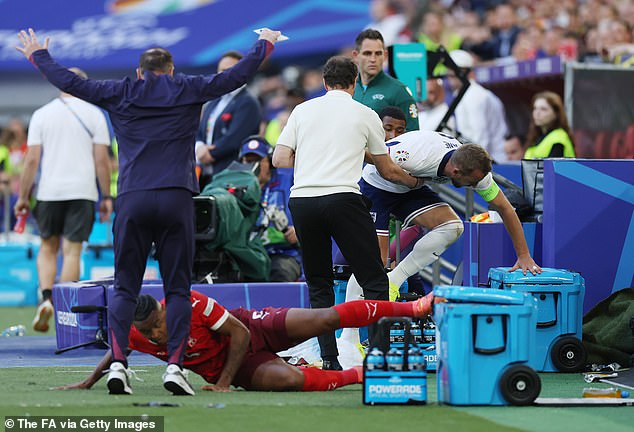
(71, 219)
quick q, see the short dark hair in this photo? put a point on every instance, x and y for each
(368, 34)
(232, 54)
(340, 72)
(394, 112)
(145, 305)
(156, 60)
(470, 157)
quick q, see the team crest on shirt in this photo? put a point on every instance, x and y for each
(401, 156)
(378, 96)
(191, 342)
(413, 111)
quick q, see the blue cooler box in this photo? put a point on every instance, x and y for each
(559, 295)
(482, 339)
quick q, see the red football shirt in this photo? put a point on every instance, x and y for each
(206, 349)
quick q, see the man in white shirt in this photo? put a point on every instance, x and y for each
(325, 141)
(70, 138)
(479, 116)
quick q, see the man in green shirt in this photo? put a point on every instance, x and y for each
(376, 89)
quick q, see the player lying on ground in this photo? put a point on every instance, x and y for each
(239, 346)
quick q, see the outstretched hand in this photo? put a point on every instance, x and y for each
(30, 43)
(76, 386)
(526, 264)
(216, 388)
(270, 35)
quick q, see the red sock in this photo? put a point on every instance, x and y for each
(325, 380)
(359, 313)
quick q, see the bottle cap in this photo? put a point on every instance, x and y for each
(625, 394)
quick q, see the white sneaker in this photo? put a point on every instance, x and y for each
(42, 315)
(175, 380)
(119, 379)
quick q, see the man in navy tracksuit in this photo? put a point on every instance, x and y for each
(155, 119)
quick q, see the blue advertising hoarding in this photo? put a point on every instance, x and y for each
(110, 34)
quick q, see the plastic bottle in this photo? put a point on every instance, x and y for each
(604, 393)
(394, 359)
(375, 360)
(21, 222)
(415, 359)
(16, 330)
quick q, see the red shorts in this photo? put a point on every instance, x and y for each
(268, 336)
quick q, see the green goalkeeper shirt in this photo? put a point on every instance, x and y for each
(385, 91)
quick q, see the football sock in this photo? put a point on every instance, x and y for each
(426, 250)
(322, 380)
(360, 313)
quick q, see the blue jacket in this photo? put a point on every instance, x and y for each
(240, 119)
(155, 119)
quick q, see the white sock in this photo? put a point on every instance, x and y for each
(427, 250)
(353, 292)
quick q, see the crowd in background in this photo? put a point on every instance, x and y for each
(493, 31)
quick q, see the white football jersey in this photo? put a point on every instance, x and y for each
(420, 154)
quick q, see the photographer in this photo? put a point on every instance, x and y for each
(274, 222)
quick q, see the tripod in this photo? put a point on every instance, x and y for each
(101, 336)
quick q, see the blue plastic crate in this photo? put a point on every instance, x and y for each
(482, 340)
(559, 295)
(18, 274)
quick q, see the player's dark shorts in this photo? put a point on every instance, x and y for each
(72, 219)
(268, 336)
(405, 206)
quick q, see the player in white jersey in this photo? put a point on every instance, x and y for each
(439, 158)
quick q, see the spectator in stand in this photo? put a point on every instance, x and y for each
(388, 20)
(433, 33)
(224, 124)
(549, 134)
(480, 114)
(504, 35)
(514, 147)
(434, 107)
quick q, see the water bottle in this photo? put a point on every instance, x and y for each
(429, 332)
(415, 359)
(375, 360)
(416, 332)
(394, 359)
(21, 222)
(397, 333)
(15, 330)
(604, 393)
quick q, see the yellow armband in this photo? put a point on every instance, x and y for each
(489, 193)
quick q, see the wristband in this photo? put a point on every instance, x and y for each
(105, 197)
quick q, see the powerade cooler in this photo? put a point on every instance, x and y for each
(559, 295)
(394, 374)
(482, 339)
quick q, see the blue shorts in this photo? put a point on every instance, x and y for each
(404, 206)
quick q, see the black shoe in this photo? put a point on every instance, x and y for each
(331, 365)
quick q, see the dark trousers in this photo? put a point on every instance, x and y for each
(345, 218)
(165, 217)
